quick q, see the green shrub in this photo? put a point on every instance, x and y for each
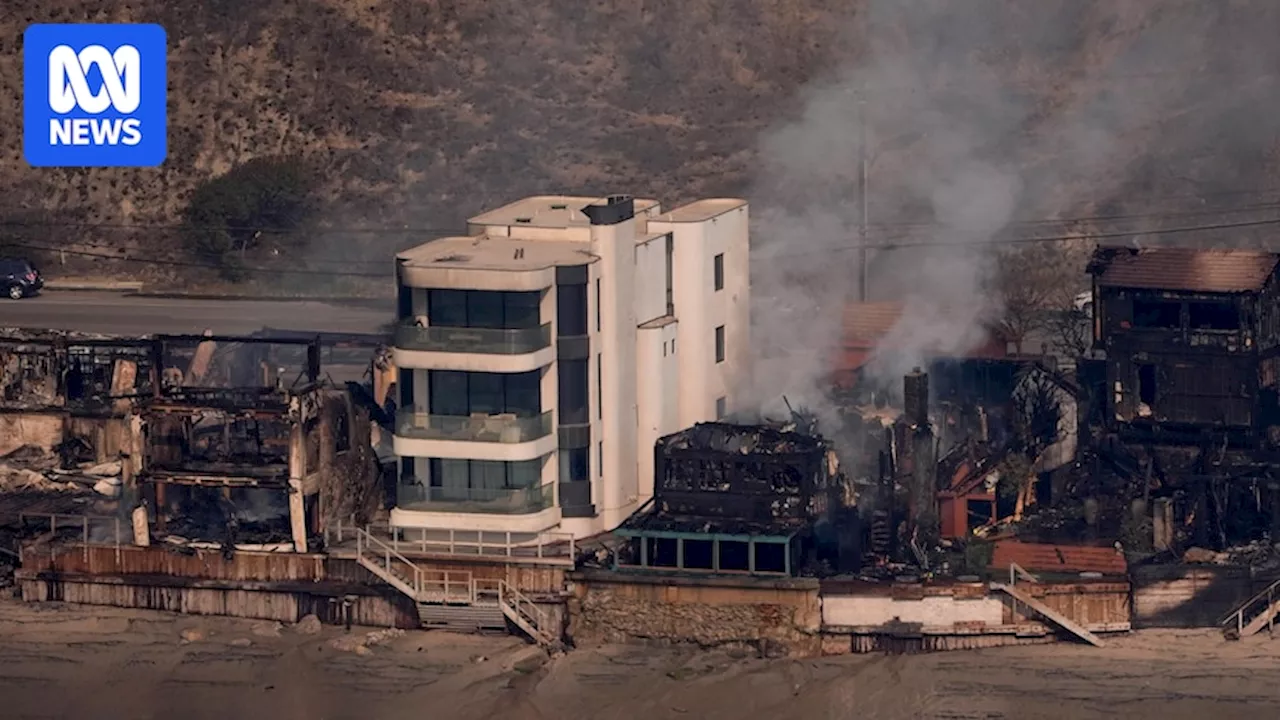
(231, 216)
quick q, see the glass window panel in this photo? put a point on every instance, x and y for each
(447, 308)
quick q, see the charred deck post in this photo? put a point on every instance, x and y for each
(297, 498)
(924, 486)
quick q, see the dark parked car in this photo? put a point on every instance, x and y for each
(19, 278)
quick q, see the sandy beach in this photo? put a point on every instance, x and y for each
(61, 661)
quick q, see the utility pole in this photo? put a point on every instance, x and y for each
(860, 97)
(863, 215)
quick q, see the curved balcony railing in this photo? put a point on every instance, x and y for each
(487, 341)
(498, 501)
(505, 428)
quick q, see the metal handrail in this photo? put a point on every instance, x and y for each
(83, 522)
(555, 546)
(365, 539)
(526, 608)
(1268, 593)
(1016, 570)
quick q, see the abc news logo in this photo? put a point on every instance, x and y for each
(95, 95)
(69, 89)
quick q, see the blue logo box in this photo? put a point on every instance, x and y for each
(94, 95)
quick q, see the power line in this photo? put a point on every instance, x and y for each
(998, 241)
(1067, 238)
(1103, 218)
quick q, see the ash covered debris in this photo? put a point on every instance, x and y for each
(773, 439)
(231, 440)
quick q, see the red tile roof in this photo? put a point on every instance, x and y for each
(1058, 558)
(866, 323)
(1224, 271)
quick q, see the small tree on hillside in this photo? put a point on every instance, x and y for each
(228, 216)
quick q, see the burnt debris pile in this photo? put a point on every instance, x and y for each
(738, 498)
(234, 441)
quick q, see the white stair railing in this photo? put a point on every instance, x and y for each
(527, 615)
(1269, 594)
(384, 561)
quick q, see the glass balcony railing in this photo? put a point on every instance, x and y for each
(488, 341)
(505, 428)
(498, 501)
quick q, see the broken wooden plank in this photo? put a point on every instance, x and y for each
(1049, 613)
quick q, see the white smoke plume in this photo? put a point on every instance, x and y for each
(978, 118)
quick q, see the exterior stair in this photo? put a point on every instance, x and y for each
(456, 600)
(1257, 612)
(462, 618)
(1049, 613)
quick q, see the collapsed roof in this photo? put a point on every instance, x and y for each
(740, 439)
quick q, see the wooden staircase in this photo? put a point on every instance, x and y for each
(456, 600)
(462, 618)
(1254, 614)
(1049, 613)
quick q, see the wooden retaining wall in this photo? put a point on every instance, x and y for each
(1185, 596)
(196, 564)
(1092, 604)
(263, 601)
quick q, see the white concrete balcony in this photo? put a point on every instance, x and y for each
(477, 436)
(493, 501)
(473, 349)
(511, 510)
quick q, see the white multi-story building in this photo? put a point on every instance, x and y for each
(542, 356)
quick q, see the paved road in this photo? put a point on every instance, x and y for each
(118, 313)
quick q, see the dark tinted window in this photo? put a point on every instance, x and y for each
(575, 465)
(573, 392)
(571, 310)
(463, 393)
(1157, 314)
(483, 309)
(1213, 316)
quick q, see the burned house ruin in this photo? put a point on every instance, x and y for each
(265, 459)
(1190, 404)
(734, 499)
(235, 441)
(69, 391)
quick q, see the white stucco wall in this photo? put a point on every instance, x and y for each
(861, 610)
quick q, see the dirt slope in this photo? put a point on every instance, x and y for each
(421, 112)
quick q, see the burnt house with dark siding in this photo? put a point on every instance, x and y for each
(1190, 419)
(1192, 341)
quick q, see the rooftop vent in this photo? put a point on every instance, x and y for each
(519, 254)
(454, 258)
(559, 206)
(524, 220)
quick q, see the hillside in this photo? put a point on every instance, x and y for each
(418, 113)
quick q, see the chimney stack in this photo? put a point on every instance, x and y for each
(915, 397)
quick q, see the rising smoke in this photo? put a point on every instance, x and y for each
(978, 116)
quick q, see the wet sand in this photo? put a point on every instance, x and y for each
(62, 661)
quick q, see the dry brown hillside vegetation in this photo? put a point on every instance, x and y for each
(414, 114)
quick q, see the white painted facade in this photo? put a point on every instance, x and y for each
(665, 341)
